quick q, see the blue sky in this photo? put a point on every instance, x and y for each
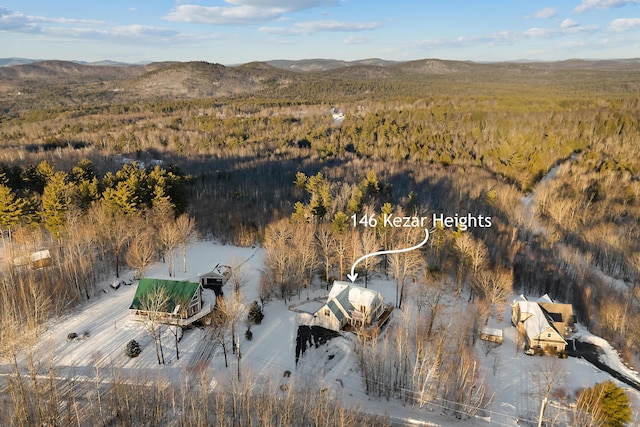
(238, 31)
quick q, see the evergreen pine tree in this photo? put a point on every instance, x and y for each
(56, 200)
(11, 209)
(608, 403)
(255, 313)
(133, 349)
(121, 200)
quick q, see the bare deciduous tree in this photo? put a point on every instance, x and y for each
(232, 310)
(168, 240)
(141, 253)
(217, 330)
(494, 286)
(326, 244)
(238, 276)
(186, 227)
(430, 294)
(280, 265)
(369, 245)
(117, 231)
(406, 264)
(305, 254)
(155, 304)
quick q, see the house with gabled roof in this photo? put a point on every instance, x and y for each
(215, 278)
(543, 324)
(183, 302)
(349, 305)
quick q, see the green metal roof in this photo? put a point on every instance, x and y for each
(179, 292)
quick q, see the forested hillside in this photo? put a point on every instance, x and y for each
(110, 169)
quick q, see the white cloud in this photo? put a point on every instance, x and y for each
(434, 42)
(624, 24)
(216, 15)
(314, 26)
(538, 32)
(602, 4)
(505, 38)
(546, 13)
(242, 11)
(353, 39)
(288, 5)
(499, 38)
(64, 28)
(568, 26)
(16, 21)
(127, 33)
(569, 23)
(310, 27)
(142, 30)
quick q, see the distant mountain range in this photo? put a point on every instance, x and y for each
(198, 79)
(8, 62)
(321, 64)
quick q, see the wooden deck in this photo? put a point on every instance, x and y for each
(373, 329)
(171, 319)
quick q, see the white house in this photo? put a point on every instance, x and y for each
(349, 304)
(536, 325)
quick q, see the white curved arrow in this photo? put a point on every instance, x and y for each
(354, 275)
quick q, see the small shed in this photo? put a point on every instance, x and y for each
(215, 278)
(35, 260)
(40, 259)
(491, 335)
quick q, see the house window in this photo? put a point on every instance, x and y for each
(326, 312)
(549, 335)
(363, 309)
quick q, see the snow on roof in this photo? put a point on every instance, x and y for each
(538, 322)
(215, 272)
(337, 288)
(357, 295)
(492, 331)
(545, 298)
(518, 299)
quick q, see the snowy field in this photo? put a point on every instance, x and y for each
(105, 324)
(514, 377)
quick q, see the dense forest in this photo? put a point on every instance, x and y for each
(108, 178)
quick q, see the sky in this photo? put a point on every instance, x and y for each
(240, 31)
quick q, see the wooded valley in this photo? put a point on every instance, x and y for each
(111, 169)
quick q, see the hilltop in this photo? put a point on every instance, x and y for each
(111, 81)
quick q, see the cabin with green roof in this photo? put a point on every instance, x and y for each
(170, 301)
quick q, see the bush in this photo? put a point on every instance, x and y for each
(133, 349)
(255, 313)
(607, 403)
(248, 335)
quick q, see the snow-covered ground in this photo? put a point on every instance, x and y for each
(105, 323)
(515, 377)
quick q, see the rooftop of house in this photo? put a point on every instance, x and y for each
(178, 292)
(350, 295)
(537, 322)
